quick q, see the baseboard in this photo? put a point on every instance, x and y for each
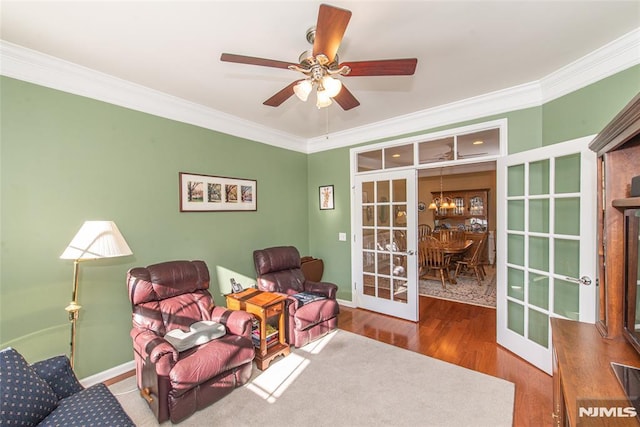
(108, 374)
(346, 303)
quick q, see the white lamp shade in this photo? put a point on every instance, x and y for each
(303, 89)
(324, 100)
(97, 239)
(331, 85)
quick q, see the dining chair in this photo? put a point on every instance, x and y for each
(472, 263)
(432, 257)
(424, 230)
(452, 235)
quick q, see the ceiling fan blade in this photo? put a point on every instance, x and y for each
(277, 99)
(331, 25)
(345, 99)
(241, 59)
(384, 67)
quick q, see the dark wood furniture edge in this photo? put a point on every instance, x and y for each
(616, 146)
(624, 126)
(583, 370)
(627, 203)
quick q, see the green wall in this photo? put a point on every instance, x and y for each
(580, 113)
(331, 168)
(66, 159)
(588, 110)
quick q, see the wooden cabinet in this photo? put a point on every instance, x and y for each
(618, 148)
(471, 209)
(582, 374)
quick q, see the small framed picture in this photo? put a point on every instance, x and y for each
(326, 197)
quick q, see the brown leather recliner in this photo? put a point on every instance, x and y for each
(278, 270)
(174, 295)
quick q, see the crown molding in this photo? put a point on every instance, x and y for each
(35, 67)
(513, 98)
(606, 61)
(45, 70)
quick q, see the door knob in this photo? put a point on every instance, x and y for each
(584, 280)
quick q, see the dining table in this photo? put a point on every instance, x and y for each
(452, 248)
(455, 248)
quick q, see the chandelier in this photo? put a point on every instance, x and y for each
(441, 202)
(319, 72)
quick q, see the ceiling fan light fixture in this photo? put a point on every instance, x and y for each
(303, 89)
(324, 100)
(331, 86)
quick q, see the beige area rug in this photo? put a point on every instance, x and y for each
(465, 290)
(345, 379)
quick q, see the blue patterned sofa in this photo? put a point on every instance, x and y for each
(48, 393)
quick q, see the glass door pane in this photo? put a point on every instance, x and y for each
(549, 199)
(388, 281)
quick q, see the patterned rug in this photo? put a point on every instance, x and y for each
(466, 290)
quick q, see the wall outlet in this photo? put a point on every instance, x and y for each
(342, 237)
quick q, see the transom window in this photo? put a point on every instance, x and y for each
(433, 149)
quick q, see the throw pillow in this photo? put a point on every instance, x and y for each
(25, 398)
(57, 372)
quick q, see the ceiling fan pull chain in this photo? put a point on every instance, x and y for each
(327, 123)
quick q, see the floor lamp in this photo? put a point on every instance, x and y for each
(96, 239)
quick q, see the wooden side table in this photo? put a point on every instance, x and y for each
(265, 306)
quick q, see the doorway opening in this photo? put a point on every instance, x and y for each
(469, 192)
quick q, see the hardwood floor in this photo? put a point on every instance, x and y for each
(465, 335)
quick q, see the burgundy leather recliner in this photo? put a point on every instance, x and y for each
(278, 270)
(174, 295)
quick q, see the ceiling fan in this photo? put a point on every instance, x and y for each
(321, 63)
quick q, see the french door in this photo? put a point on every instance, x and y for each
(385, 261)
(546, 245)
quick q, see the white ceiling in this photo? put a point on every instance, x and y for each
(464, 49)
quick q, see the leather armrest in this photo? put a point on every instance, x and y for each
(237, 322)
(327, 289)
(150, 345)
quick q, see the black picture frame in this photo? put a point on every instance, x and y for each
(325, 194)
